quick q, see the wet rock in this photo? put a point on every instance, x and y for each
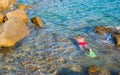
(95, 70)
(37, 21)
(102, 29)
(21, 14)
(116, 38)
(13, 31)
(23, 7)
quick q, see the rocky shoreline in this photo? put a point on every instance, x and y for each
(34, 60)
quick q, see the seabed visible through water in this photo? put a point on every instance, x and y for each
(48, 50)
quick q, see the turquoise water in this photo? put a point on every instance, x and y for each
(49, 50)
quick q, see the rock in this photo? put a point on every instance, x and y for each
(19, 14)
(95, 70)
(37, 21)
(1, 18)
(116, 38)
(4, 5)
(101, 30)
(23, 7)
(13, 31)
(75, 68)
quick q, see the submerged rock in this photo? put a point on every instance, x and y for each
(95, 70)
(13, 31)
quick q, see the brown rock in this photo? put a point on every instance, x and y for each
(19, 14)
(100, 30)
(37, 21)
(23, 7)
(13, 31)
(110, 30)
(93, 70)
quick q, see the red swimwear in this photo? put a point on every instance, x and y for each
(82, 43)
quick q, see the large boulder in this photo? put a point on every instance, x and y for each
(12, 31)
(37, 21)
(19, 14)
(4, 5)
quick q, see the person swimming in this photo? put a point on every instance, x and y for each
(82, 43)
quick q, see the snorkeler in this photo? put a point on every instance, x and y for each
(81, 43)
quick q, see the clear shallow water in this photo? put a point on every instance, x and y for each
(49, 47)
